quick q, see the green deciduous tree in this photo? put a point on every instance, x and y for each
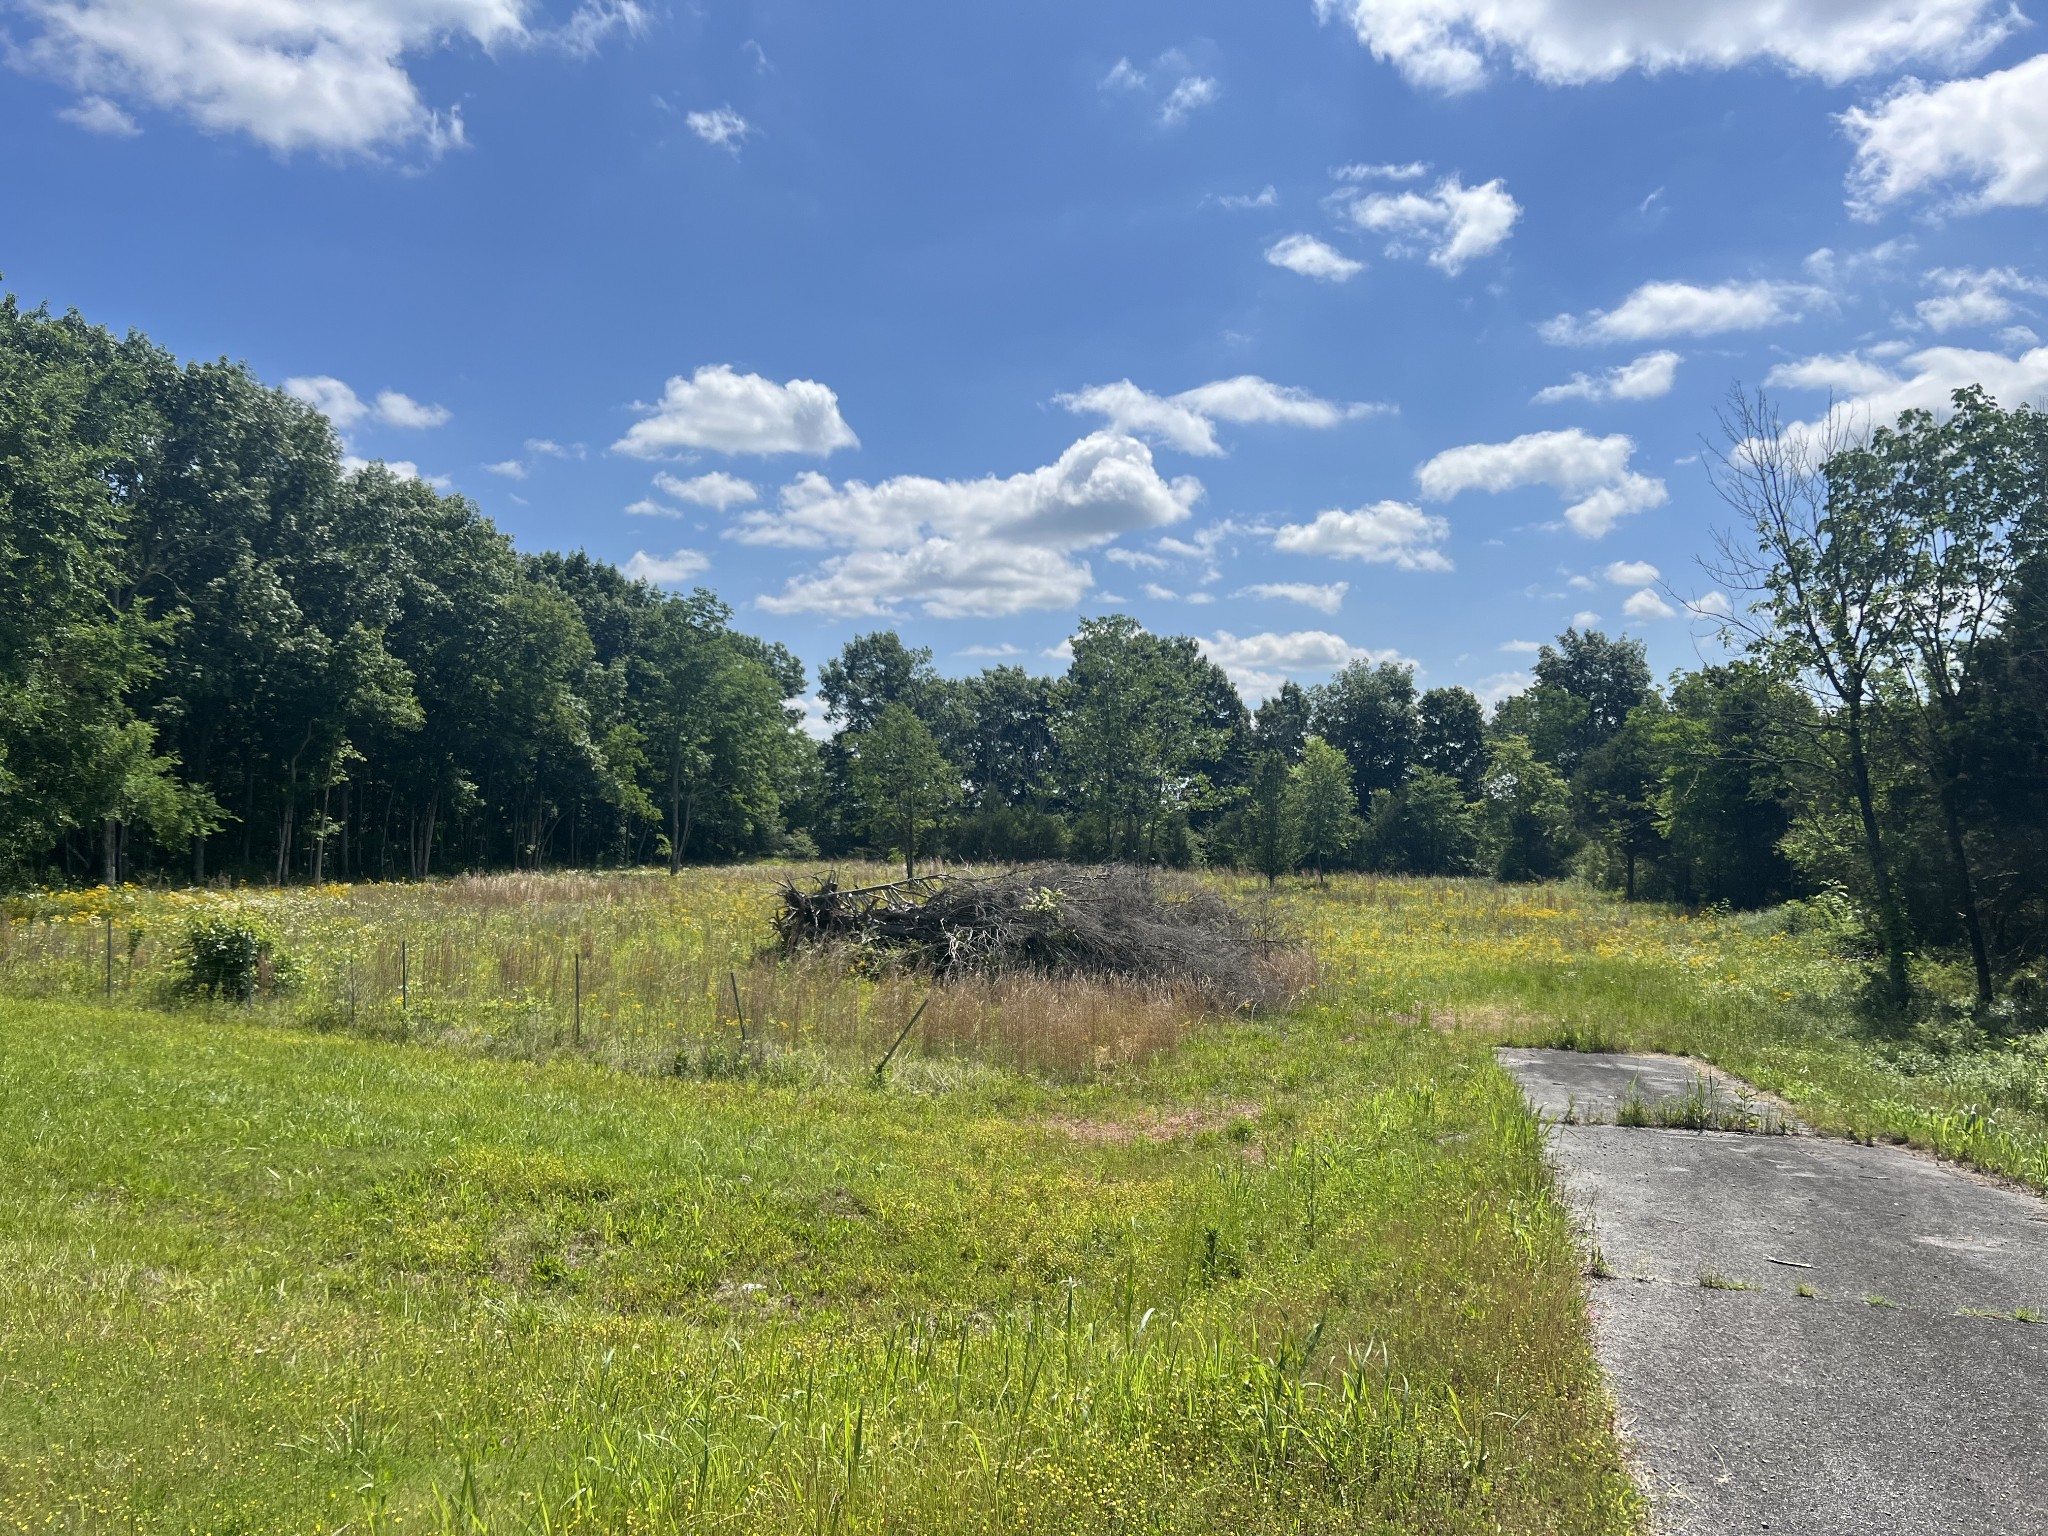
(1324, 806)
(903, 782)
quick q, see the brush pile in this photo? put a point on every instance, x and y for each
(1115, 923)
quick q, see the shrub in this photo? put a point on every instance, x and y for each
(230, 953)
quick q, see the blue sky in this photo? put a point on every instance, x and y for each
(1367, 327)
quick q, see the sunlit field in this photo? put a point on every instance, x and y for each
(592, 1213)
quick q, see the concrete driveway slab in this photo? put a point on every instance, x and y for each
(1901, 1396)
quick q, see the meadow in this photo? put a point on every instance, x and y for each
(529, 1231)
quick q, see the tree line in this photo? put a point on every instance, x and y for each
(224, 653)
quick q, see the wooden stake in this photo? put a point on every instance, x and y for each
(733, 977)
(579, 997)
(110, 954)
(883, 1065)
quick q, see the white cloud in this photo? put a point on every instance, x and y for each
(511, 469)
(730, 412)
(717, 490)
(1266, 197)
(1968, 297)
(1259, 664)
(1646, 605)
(1989, 134)
(1159, 594)
(396, 410)
(646, 506)
(1713, 605)
(1502, 685)
(1123, 76)
(1453, 225)
(1924, 381)
(1649, 377)
(345, 408)
(1005, 649)
(330, 397)
(548, 448)
(1323, 597)
(1446, 45)
(721, 127)
(1521, 647)
(1663, 309)
(1842, 373)
(1313, 258)
(1137, 559)
(1385, 533)
(1631, 573)
(96, 114)
(1187, 421)
(1591, 473)
(666, 570)
(292, 74)
(1189, 95)
(967, 547)
(1414, 170)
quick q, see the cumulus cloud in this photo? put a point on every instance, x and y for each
(1385, 533)
(1451, 225)
(1313, 258)
(1323, 597)
(1965, 297)
(1874, 395)
(1522, 647)
(717, 490)
(291, 74)
(1187, 421)
(720, 127)
(1663, 309)
(1631, 573)
(1649, 377)
(665, 570)
(1988, 136)
(1713, 605)
(1591, 473)
(345, 408)
(1447, 45)
(731, 412)
(1646, 605)
(1502, 685)
(396, 410)
(510, 469)
(967, 547)
(1259, 664)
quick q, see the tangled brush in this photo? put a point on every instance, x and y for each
(1117, 922)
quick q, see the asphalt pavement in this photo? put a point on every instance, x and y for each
(1903, 1395)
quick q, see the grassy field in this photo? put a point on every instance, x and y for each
(524, 1256)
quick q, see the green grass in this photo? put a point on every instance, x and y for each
(1305, 1274)
(1770, 997)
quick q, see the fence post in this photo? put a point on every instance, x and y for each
(579, 998)
(733, 977)
(110, 954)
(401, 976)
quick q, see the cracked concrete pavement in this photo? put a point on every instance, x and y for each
(1901, 1397)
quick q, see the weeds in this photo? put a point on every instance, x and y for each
(1714, 1280)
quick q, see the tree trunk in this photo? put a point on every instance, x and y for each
(1890, 919)
(110, 847)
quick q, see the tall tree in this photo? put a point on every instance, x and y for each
(1450, 736)
(1325, 809)
(1272, 825)
(1367, 712)
(1823, 573)
(904, 782)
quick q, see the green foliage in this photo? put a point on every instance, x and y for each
(1272, 821)
(1322, 806)
(1527, 810)
(1367, 712)
(230, 954)
(903, 782)
(1426, 827)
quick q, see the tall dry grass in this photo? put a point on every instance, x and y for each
(649, 973)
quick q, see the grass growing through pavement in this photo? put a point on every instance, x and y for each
(1300, 1273)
